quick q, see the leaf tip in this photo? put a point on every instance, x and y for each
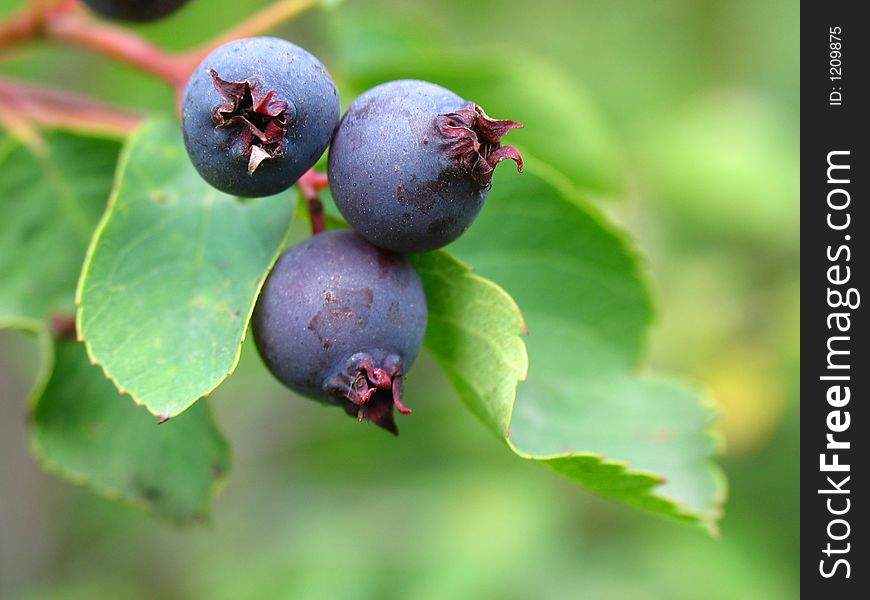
(524, 327)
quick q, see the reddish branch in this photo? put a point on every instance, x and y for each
(119, 44)
(310, 185)
(22, 105)
(21, 27)
(29, 22)
(58, 19)
(50, 107)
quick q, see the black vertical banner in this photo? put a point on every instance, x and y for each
(834, 370)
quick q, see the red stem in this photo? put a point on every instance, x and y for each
(117, 43)
(56, 19)
(29, 22)
(310, 184)
(22, 26)
(51, 107)
(22, 105)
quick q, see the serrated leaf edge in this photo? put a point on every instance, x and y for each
(39, 330)
(468, 272)
(203, 511)
(98, 233)
(571, 194)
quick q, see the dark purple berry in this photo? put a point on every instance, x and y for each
(258, 113)
(134, 10)
(411, 164)
(341, 321)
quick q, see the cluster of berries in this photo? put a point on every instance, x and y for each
(342, 315)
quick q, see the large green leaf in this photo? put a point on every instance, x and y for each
(86, 432)
(172, 274)
(583, 410)
(51, 199)
(50, 202)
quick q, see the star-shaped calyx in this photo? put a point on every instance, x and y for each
(473, 140)
(368, 387)
(258, 118)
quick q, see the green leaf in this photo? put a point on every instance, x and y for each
(172, 273)
(583, 410)
(469, 318)
(50, 202)
(86, 432)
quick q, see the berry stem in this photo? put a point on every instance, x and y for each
(118, 44)
(310, 185)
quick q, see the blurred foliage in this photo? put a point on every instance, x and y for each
(52, 199)
(692, 110)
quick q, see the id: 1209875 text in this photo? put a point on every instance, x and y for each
(835, 65)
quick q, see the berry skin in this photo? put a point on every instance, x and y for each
(258, 113)
(135, 10)
(341, 321)
(411, 164)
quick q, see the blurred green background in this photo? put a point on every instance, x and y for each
(689, 118)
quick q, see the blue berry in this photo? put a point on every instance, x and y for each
(411, 164)
(134, 10)
(258, 113)
(341, 321)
